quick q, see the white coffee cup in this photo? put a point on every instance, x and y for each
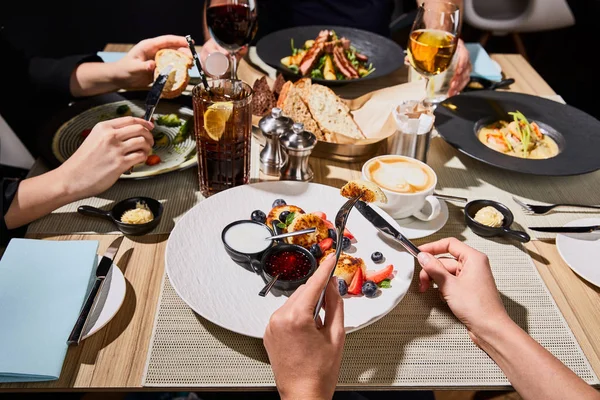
(408, 185)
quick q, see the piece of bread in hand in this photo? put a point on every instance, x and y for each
(294, 107)
(332, 115)
(368, 191)
(179, 76)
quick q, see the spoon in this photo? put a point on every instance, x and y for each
(295, 233)
(268, 286)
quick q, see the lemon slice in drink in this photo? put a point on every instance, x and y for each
(216, 117)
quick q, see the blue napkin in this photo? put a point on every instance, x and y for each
(110, 56)
(483, 65)
(43, 285)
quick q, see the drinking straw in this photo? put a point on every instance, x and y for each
(198, 64)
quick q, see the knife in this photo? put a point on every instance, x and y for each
(156, 90)
(154, 96)
(385, 227)
(567, 229)
(101, 271)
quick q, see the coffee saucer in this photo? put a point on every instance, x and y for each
(414, 228)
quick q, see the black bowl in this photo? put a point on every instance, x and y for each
(386, 55)
(248, 261)
(283, 284)
(487, 231)
(114, 215)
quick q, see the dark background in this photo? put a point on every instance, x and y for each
(565, 58)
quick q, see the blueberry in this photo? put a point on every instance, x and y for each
(342, 287)
(377, 257)
(279, 202)
(369, 289)
(332, 234)
(258, 216)
(315, 250)
(346, 243)
(283, 216)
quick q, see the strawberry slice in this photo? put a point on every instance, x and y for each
(326, 244)
(329, 224)
(348, 234)
(357, 282)
(382, 274)
(320, 214)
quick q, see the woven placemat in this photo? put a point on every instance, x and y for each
(418, 344)
(177, 191)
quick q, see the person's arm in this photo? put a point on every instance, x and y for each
(110, 149)
(467, 285)
(309, 368)
(134, 71)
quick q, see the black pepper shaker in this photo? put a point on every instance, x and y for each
(273, 126)
(299, 145)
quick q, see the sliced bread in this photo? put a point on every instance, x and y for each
(332, 115)
(295, 108)
(179, 76)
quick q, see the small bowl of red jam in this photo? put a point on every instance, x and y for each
(293, 263)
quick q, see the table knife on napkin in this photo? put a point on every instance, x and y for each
(385, 227)
(567, 229)
(153, 96)
(103, 268)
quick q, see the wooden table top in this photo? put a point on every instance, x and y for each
(114, 358)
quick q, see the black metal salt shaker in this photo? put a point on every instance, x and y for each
(298, 144)
(272, 157)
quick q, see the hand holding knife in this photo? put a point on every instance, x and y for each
(153, 96)
(101, 271)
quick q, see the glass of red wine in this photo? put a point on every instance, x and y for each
(232, 23)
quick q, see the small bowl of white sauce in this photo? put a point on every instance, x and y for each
(245, 242)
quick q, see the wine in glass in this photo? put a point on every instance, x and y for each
(232, 23)
(433, 40)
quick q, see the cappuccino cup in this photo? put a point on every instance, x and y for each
(408, 185)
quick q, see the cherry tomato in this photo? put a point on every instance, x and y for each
(152, 159)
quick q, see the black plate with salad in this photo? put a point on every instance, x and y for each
(330, 55)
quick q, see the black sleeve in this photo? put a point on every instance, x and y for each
(9, 190)
(54, 75)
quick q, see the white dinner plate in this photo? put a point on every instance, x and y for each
(581, 251)
(226, 294)
(109, 302)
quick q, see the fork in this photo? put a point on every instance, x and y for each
(539, 209)
(340, 223)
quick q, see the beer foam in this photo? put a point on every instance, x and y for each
(400, 176)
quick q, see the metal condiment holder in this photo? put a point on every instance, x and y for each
(298, 144)
(273, 126)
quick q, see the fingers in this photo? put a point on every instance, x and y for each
(451, 265)
(448, 245)
(136, 144)
(434, 269)
(134, 158)
(334, 309)
(316, 283)
(151, 46)
(133, 131)
(125, 121)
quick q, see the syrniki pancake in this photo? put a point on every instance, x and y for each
(276, 212)
(305, 221)
(368, 191)
(347, 266)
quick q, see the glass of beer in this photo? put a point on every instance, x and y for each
(223, 127)
(433, 40)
